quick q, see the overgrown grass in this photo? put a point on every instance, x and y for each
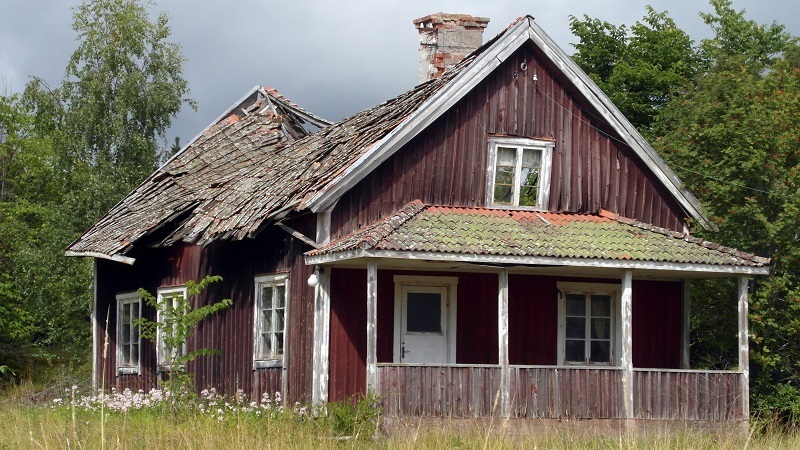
(211, 421)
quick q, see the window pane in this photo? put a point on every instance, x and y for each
(278, 344)
(266, 320)
(502, 194)
(126, 313)
(424, 312)
(574, 351)
(601, 306)
(504, 175)
(506, 156)
(576, 305)
(529, 196)
(600, 351)
(279, 320)
(266, 297)
(126, 354)
(134, 354)
(266, 344)
(280, 295)
(531, 158)
(576, 327)
(601, 328)
(126, 333)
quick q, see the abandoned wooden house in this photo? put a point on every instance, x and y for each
(497, 241)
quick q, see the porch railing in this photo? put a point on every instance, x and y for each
(687, 394)
(559, 392)
(439, 390)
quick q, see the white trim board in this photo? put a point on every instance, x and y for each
(535, 260)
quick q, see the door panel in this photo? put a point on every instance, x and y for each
(423, 334)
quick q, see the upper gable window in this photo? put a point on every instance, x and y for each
(519, 172)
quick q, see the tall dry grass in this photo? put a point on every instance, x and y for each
(40, 426)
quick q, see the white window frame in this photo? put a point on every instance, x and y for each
(161, 353)
(129, 298)
(262, 359)
(544, 146)
(420, 281)
(611, 289)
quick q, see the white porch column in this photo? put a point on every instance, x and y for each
(502, 340)
(95, 341)
(372, 321)
(322, 325)
(744, 346)
(685, 323)
(627, 344)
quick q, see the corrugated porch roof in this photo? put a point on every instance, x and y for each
(430, 231)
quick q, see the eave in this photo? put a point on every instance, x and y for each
(535, 261)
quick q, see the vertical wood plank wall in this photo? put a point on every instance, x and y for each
(533, 322)
(446, 164)
(230, 331)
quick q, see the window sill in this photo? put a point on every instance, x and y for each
(267, 363)
(516, 207)
(127, 371)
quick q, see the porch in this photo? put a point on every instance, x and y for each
(551, 316)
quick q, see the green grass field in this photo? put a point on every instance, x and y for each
(217, 422)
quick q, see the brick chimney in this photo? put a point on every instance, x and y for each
(445, 39)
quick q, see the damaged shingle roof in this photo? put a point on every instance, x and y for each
(244, 172)
(482, 231)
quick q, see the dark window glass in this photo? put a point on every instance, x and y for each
(424, 312)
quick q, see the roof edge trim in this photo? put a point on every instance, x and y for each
(117, 258)
(535, 260)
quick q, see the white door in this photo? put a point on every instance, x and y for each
(423, 322)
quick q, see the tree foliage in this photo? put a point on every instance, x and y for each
(67, 155)
(730, 128)
(641, 68)
(177, 321)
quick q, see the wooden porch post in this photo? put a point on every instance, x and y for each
(685, 323)
(322, 324)
(372, 320)
(95, 340)
(627, 344)
(502, 340)
(744, 346)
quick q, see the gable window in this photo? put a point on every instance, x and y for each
(270, 320)
(128, 348)
(169, 352)
(587, 323)
(519, 172)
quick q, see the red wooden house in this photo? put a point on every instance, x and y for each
(497, 241)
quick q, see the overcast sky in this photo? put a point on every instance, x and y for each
(333, 58)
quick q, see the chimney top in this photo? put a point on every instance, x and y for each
(446, 39)
(443, 20)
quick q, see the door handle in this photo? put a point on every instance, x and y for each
(403, 351)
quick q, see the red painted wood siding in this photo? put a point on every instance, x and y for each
(231, 331)
(446, 164)
(656, 325)
(532, 320)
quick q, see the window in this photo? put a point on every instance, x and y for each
(270, 320)
(587, 321)
(128, 311)
(519, 172)
(168, 352)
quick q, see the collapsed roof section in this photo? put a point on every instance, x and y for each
(249, 168)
